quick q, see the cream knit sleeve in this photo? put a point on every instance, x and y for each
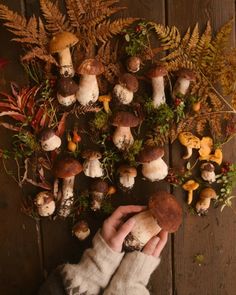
(94, 271)
(132, 275)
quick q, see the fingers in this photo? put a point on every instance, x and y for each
(125, 229)
(163, 235)
(150, 247)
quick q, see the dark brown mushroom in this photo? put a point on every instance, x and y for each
(49, 140)
(98, 190)
(66, 90)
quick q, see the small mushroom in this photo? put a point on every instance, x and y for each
(66, 169)
(163, 212)
(122, 137)
(92, 167)
(158, 88)
(208, 172)
(154, 168)
(66, 89)
(190, 142)
(88, 91)
(126, 87)
(190, 186)
(185, 76)
(206, 146)
(205, 199)
(127, 176)
(98, 190)
(61, 43)
(133, 64)
(81, 230)
(45, 203)
(49, 140)
(105, 99)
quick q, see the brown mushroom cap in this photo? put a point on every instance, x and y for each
(90, 67)
(166, 210)
(157, 71)
(126, 169)
(129, 81)
(208, 193)
(208, 167)
(187, 74)
(91, 155)
(150, 153)
(67, 86)
(47, 197)
(80, 226)
(100, 186)
(125, 119)
(67, 167)
(46, 134)
(61, 41)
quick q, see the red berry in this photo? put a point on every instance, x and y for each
(138, 29)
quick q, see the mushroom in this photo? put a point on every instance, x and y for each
(157, 75)
(127, 176)
(92, 167)
(163, 212)
(154, 168)
(206, 146)
(205, 199)
(122, 137)
(88, 91)
(98, 190)
(185, 76)
(217, 157)
(66, 169)
(81, 230)
(66, 89)
(190, 142)
(190, 186)
(126, 87)
(49, 140)
(105, 99)
(208, 172)
(45, 203)
(133, 64)
(61, 43)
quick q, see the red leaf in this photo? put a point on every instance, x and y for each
(15, 115)
(10, 126)
(62, 125)
(7, 105)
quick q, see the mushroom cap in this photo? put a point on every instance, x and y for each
(208, 193)
(190, 185)
(133, 64)
(67, 167)
(208, 167)
(157, 71)
(91, 155)
(67, 86)
(44, 197)
(46, 134)
(187, 74)
(125, 119)
(189, 140)
(129, 81)
(150, 153)
(61, 41)
(81, 230)
(100, 186)
(166, 210)
(90, 66)
(126, 169)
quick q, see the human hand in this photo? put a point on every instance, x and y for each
(156, 244)
(115, 230)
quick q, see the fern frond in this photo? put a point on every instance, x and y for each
(38, 53)
(194, 39)
(75, 10)
(169, 36)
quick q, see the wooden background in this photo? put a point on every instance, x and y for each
(29, 250)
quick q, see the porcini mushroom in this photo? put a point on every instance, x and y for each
(66, 90)
(205, 199)
(208, 172)
(92, 167)
(154, 168)
(133, 64)
(185, 76)
(126, 87)
(98, 190)
(49, 140)
(190, 186)
(81, 230)
(61, 43)
(88, 91)
(45, 203)
(66, 169)
(127, 176)
(163, 212)
(190, 141)
(158, 87)
(122, 137)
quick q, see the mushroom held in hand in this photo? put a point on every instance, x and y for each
(208, 172)
(205, 199)
(98, 190)
(163, 212)
(81, 230)
(122, 137)
(126, 87)
(158, 87)
(49, 140)
(185, 76)
(92, 167)
(190, 142)
(127, 176)
(190, 186)
(88, 91)
(61, 43)
(133, 64)
(45, 203)
(66, 89)
(66, 169)
(154, 168)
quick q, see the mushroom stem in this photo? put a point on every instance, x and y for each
(155, 170)
(56, 188)
(93, 168)
(158, 95)
(122, 137)
(66, 100)
(65, 61)
(203, 205)
(189, 153)
(190, 197)
(88, 90)
(96, 201)
(67, 196)
(124, 95)
(181, 86)
(127, 181)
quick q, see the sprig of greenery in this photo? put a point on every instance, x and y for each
(133, 151)
(100, 120)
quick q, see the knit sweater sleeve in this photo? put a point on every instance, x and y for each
(132, 275)
(94, 271)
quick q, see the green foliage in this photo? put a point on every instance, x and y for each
(100, 120)
(106, 207)
(132, 152)
(25, 144)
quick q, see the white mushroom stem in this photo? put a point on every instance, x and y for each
(97, 198)
(56, 188)
(66, 100)
(51, 144)
(208, 176)
(155, 170)
(181, 86)
(123, 94)
(123, 138)
(189, 153)
(127, 181)
(65, 61)
(93, 168)
(158, 94)
(67, 196)
(88, 90)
